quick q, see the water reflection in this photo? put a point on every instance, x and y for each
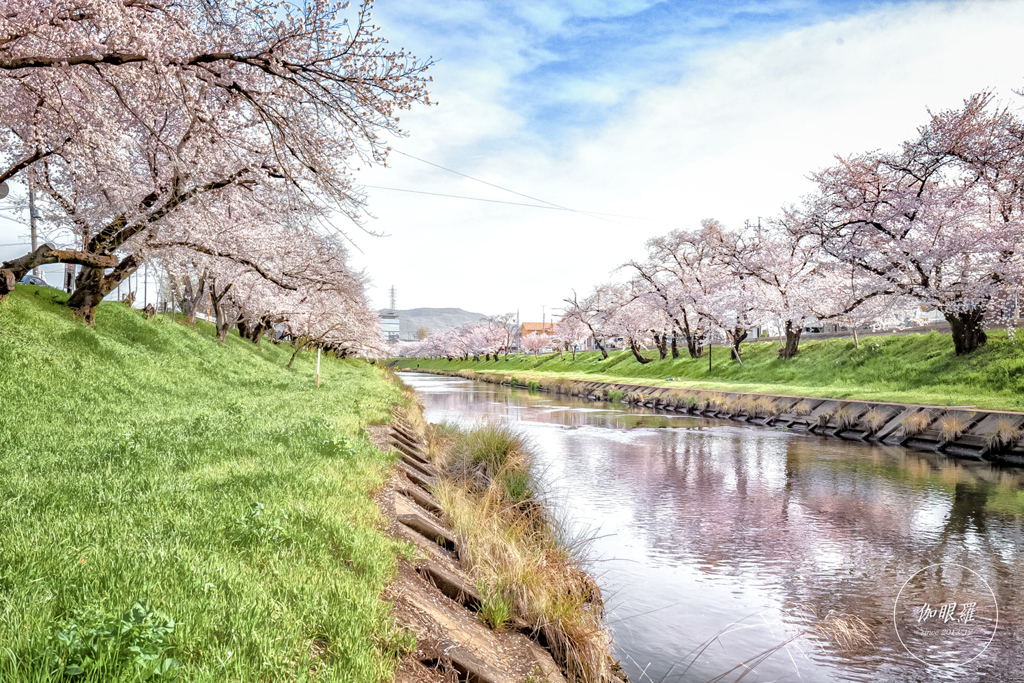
(705, 527)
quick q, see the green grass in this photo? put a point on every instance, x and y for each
(175, 507)
(912, 368)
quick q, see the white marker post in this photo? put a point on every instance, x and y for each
(318, 366)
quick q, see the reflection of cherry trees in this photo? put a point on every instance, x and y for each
(799, 519)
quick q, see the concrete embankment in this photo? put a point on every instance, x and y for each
(434, 595)
(955, 431)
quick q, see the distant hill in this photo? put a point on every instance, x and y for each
(434, 319)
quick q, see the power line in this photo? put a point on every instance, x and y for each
(505, 189)
(475, 199)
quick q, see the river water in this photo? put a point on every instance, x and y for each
(704, 531)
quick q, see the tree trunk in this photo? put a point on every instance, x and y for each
(600, 347)
(299, 345)
(662, 342)
(220, 314)
(737, 336)
(856, 340)
(792, 341)
(675, 345)
(636, 353)
(92, 285)
(694, 345)
(190, 299)
(15, 269)
(968, 334)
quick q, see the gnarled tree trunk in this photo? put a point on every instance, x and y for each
(15, 269)
(736, 336)
(92, 285)
(792, 341)
(636, 352)
(968, 333)
(675, 345)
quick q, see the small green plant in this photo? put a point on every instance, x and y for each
(515, 483)
(614, 396)
(255, 526)
(533, 385)
(514, 380)
(495, 608)
(90, 641)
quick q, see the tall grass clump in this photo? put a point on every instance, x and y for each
(176, 506)
(513, 548)
(915, 424)
(1006, 434)
(873, 420)
(952, 426)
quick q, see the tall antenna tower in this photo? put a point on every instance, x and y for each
(394, 305)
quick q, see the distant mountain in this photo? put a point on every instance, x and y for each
(434, 319)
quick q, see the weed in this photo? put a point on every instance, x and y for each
(803, 408)
(90, 641)
(915, 424)
(614, 396)
(533, 385)
(1006, 434)
(952, 426)
(873, 420)
(495, 608)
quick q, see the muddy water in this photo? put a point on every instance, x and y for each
(706, 531)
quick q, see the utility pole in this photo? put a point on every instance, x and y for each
(32, 220)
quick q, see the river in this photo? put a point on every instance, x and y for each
(711, 531)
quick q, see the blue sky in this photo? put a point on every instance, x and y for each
(666, 111)
(662, 113)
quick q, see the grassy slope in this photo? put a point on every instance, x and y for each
(132, 455)
(913, 368)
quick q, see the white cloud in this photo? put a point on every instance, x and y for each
(734, 139)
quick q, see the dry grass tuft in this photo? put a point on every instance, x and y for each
(759, 406)
(915, 424)
(515, 552)
(873, 420)
(847, 631)
(803, 408)
(952, 426)
(844, 417)
(1006, 434)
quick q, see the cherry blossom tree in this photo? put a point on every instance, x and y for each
(128, 114)
(572, 331)
(939, 221)
(535, 342)
(594, 312)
